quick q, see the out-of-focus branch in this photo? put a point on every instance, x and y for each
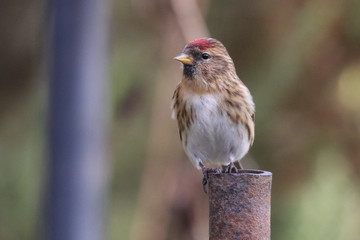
(168, 207)
(190, 19)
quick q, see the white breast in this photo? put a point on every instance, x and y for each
(213, 137)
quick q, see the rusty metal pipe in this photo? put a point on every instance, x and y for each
(239, 205)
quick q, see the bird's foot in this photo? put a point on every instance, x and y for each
(206, 172)
(231, 168)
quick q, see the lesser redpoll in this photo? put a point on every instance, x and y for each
(214, 109)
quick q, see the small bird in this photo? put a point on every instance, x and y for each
(214, 109)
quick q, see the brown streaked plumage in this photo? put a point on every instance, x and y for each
(214, 109)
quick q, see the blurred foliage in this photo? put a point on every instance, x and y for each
(326, 205)
(300, 59)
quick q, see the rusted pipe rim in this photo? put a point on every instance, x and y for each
(248, 172)
(253, 172)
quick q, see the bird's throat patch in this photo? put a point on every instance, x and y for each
(189, 71)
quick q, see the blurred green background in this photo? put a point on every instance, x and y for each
(301, 61)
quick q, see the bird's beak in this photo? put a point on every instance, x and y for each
(184, 58)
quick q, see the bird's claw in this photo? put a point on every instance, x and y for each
(204, 182)
(206, 172)
(231, 168)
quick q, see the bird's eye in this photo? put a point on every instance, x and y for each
(205, 55)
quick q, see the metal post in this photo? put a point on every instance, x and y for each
(240, 205)
(77, 164)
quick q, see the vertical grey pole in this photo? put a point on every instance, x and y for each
(240, 205)
(77, 121)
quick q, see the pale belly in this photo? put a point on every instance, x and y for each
(213, 138)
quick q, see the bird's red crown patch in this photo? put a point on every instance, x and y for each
(202, 43)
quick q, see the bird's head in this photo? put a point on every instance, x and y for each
(205, 61)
